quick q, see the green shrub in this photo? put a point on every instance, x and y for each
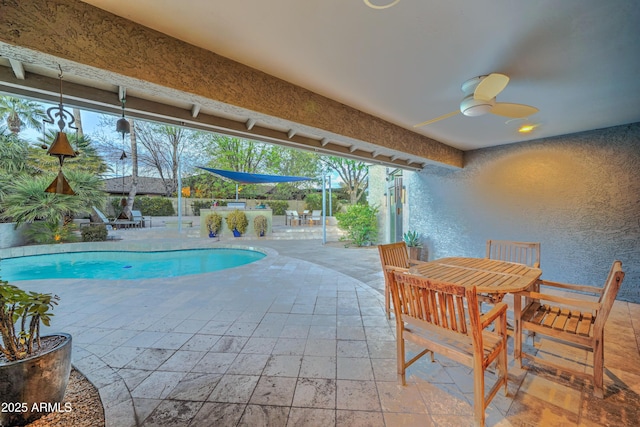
(360, 222)
(196, 205)
(154, 206)
(94, 233)
(313, 202)
(260, 225)
(213, 222)
(237, 220)
(45, 233)
(277, 206)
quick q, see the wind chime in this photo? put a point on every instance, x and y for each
(60, 148)
(123, 127)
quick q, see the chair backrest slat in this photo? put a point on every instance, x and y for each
(394, 254)
(438, 303)
(527, 253)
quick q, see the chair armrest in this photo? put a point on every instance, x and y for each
(392, 268)
(500, 309)
(578, 303)
(583, 288)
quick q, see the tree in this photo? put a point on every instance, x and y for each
(354, 175)
(236, 154)
(26, 201)
(13, 153)
(21, 112)
(164, 146)
(292, 162)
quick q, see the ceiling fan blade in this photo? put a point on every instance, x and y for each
(437, 119)
(490, 86)
(515, 111)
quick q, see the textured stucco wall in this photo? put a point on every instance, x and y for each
(579, 195)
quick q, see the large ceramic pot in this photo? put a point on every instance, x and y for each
(415, 252)
(33, 387)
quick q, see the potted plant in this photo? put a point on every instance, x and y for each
(412, 240)
(213, 222)
(260, 225)
(237, 222)
(34, 370)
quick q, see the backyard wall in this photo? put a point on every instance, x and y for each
(9, 237)
(579, 195)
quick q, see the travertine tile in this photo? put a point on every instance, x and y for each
(318, 367)
(345, 418)
(195, 386)
(274, 391)
(350, 368)
(304, 417)
(280, 365)
(357, 395)
(234, 389)
(315, 393)
(213, 362)
(397, 398)
(259, 415)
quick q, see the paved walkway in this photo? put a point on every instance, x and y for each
(298, 338)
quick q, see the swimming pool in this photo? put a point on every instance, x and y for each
(113, 265)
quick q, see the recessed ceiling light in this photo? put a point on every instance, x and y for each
(384, 6)
(526, 128)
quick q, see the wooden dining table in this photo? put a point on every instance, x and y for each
(490, 276)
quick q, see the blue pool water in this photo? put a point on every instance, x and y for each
(113, 265)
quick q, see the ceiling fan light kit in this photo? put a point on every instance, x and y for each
(382, 6)
(472, 107)
(480, 98)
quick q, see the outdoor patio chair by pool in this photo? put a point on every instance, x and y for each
(316, 217)
(444, 318)
(293, 217)
(393, 255)
(137, 218)
(103, 218)
(111, 223)
(568, 321)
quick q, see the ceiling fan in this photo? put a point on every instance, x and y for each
(480, 98)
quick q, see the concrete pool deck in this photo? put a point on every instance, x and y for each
(298, 338)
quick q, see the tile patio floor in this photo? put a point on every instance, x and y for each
(299, 339)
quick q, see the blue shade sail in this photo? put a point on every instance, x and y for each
(254, 178)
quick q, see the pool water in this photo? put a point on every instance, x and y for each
(112, 265)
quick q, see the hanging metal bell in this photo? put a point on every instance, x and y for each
(61, 146)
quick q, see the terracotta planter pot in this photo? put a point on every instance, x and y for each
(33, 387)
(415, 252)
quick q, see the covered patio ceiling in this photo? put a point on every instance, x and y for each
(335, 76)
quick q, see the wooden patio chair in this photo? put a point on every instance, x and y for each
(444, 318)
(527, 253)
(393, 255)
(570, 321)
